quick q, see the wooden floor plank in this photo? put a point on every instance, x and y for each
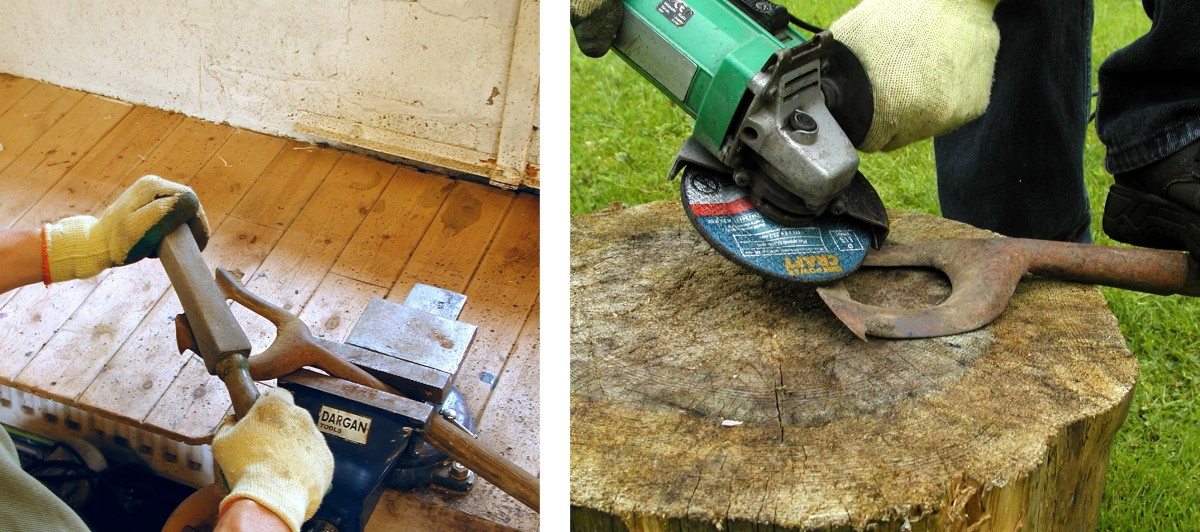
(453, 245)
(282, 191)
(4, 298)
(335, 307)
(132, 382)
(180, 156)
(12, 89)
(234, 168)
(193, 405)
(31, 117)
(104, 168)
(66, 365)
(41, 166)
(310, 246)
(510, 426)
(406, 510)
(500, 294)
(512, 414)
(382, 246)
(32, 317)
(186, 151)
(38, 312)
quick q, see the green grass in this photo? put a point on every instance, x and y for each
(624, 136)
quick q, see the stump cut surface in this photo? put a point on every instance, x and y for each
(703, 396)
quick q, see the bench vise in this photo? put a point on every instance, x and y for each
(377, 438)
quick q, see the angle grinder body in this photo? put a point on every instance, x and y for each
(770, 173)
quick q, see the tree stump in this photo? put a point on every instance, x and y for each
(704, 397)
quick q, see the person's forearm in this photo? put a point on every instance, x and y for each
(20, 258)
(245, 514)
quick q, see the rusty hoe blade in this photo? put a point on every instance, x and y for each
(984, 274)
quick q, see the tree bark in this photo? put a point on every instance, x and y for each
(704, 397)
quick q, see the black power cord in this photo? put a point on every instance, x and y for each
(807, 26)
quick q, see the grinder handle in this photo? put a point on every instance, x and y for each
(219, 338)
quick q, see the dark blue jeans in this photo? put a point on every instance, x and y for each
(1018, 169)
(1149, 102)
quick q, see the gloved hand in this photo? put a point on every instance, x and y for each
(276, 457)
(930, 63)
(596, 23)
(129, 230)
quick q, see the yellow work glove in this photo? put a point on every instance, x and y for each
(930, 63)
(129, 230)
(596, 23)
(276, 457)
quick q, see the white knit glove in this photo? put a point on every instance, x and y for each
(930, 63)
(129, 230)
(276, 457)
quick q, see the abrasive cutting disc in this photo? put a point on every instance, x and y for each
(821, 253)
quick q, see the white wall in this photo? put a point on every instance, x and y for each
(451, 83)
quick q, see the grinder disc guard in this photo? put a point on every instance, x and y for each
(828, 249)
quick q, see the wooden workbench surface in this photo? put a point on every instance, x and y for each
(316, 230)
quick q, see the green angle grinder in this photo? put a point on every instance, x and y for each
(770, 173)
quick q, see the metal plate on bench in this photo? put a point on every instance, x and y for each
(411, 334)
(436, 300)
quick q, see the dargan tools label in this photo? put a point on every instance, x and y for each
(345, 425)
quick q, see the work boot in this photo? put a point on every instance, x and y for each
(1158, 205)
